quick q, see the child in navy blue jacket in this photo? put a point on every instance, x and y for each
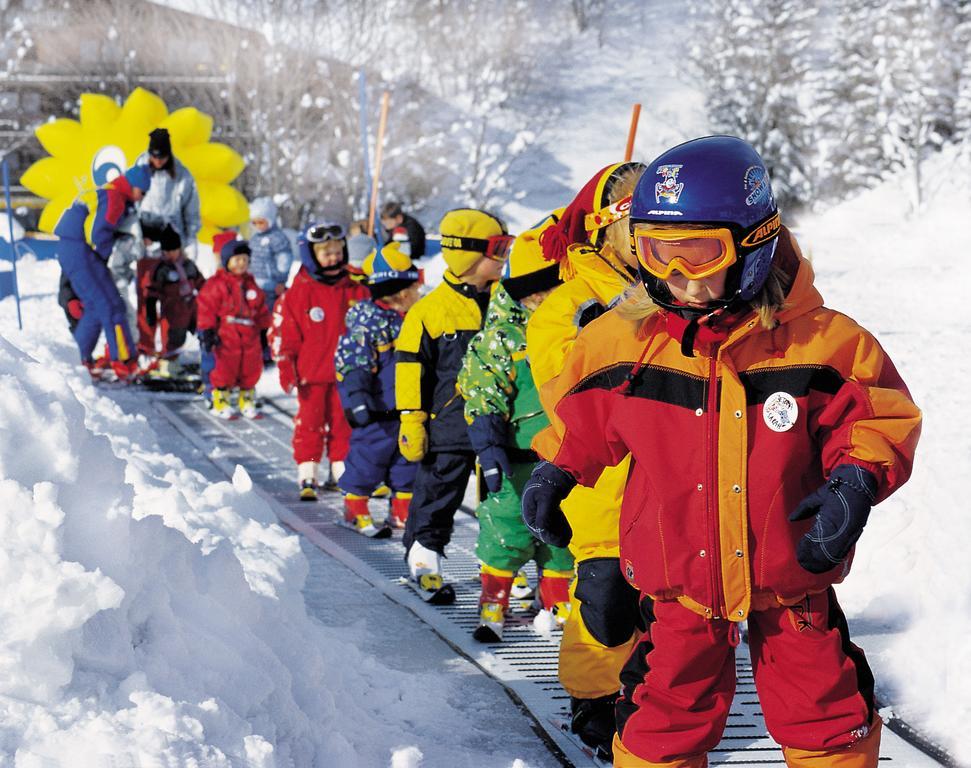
(365, 381)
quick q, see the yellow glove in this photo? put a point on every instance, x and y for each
(412, 436)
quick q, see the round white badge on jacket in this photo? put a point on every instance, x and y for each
(780, 411)
(250, 295)
(317, 314)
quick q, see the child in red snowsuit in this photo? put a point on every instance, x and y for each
(308, 320)
(232, 312)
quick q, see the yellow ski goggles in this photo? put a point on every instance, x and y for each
(695, 253)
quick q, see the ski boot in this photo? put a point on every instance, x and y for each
(168, 368)
(334, 475)
(554, 594)
(425, 567)
(399, 509)
(493, 604)
(247, 404)
(307, 478)
(521, 588)
(95, 371)
(124, 370)
(221, 407)
(594, 721)
(358, 518)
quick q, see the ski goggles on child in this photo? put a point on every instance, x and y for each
(496, 247)
(695, 253)
(321, 233)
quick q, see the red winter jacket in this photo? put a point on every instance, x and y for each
(236, 307)
(725, 444)
(308, 320)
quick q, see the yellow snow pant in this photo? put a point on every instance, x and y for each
(600, 631)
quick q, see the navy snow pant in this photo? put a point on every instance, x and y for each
(439, 491)
(104, 309)
(374, 458)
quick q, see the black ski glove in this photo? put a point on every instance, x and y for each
(208, 339)
(488, 437)
(545, 489)
(841, 508)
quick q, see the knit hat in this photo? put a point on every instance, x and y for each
(527, 272)
(221, 238)
(139, 176)
(585, 219)
(263, 208)
(170, 240)
(159, 143)
(465, 234)
(232, 248)
(389, 271)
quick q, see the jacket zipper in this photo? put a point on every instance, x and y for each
(712, 462)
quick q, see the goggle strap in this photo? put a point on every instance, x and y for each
(459, 243)
(607, 216)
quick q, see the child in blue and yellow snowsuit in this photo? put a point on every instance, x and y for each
(86, 233)
(429, 352)
(365, 369)
(503, 411)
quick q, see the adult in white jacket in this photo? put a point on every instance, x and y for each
(173, 198)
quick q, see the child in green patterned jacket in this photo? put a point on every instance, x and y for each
(503, 411)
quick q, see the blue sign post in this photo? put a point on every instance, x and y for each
(13, 244)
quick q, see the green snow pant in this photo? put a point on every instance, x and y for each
(504, 542)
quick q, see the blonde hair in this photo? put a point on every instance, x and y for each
(617, 235)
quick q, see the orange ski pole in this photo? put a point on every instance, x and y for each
(378, 157)
(632, 133)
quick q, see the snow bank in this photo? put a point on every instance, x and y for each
(903, 276)
(147, 614)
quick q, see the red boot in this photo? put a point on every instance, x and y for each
(400, 503)
(493, 604)
(124, 370)
(358, 517)
(554, 593)
(355, 507)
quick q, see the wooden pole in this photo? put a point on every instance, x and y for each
(632, 133)
(378, 157)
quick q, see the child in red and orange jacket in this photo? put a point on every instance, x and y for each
(762, 426)
(308, 320)
(232, 312)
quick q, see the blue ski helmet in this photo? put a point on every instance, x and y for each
(718, 181)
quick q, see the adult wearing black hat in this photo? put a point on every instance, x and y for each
(173, 199)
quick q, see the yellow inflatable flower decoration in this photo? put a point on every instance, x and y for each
(108, 138)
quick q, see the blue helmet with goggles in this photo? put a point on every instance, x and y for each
(701, 207)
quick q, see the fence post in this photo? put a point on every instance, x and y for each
(13, 245)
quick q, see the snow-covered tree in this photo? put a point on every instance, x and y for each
(752, 59)
(962, 103)
(847, 112)
(917, 73)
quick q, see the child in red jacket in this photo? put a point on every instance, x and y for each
(308, 320)
(232, 312)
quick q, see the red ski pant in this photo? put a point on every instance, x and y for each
(319, 421)
(237, 365)
(814, 685)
